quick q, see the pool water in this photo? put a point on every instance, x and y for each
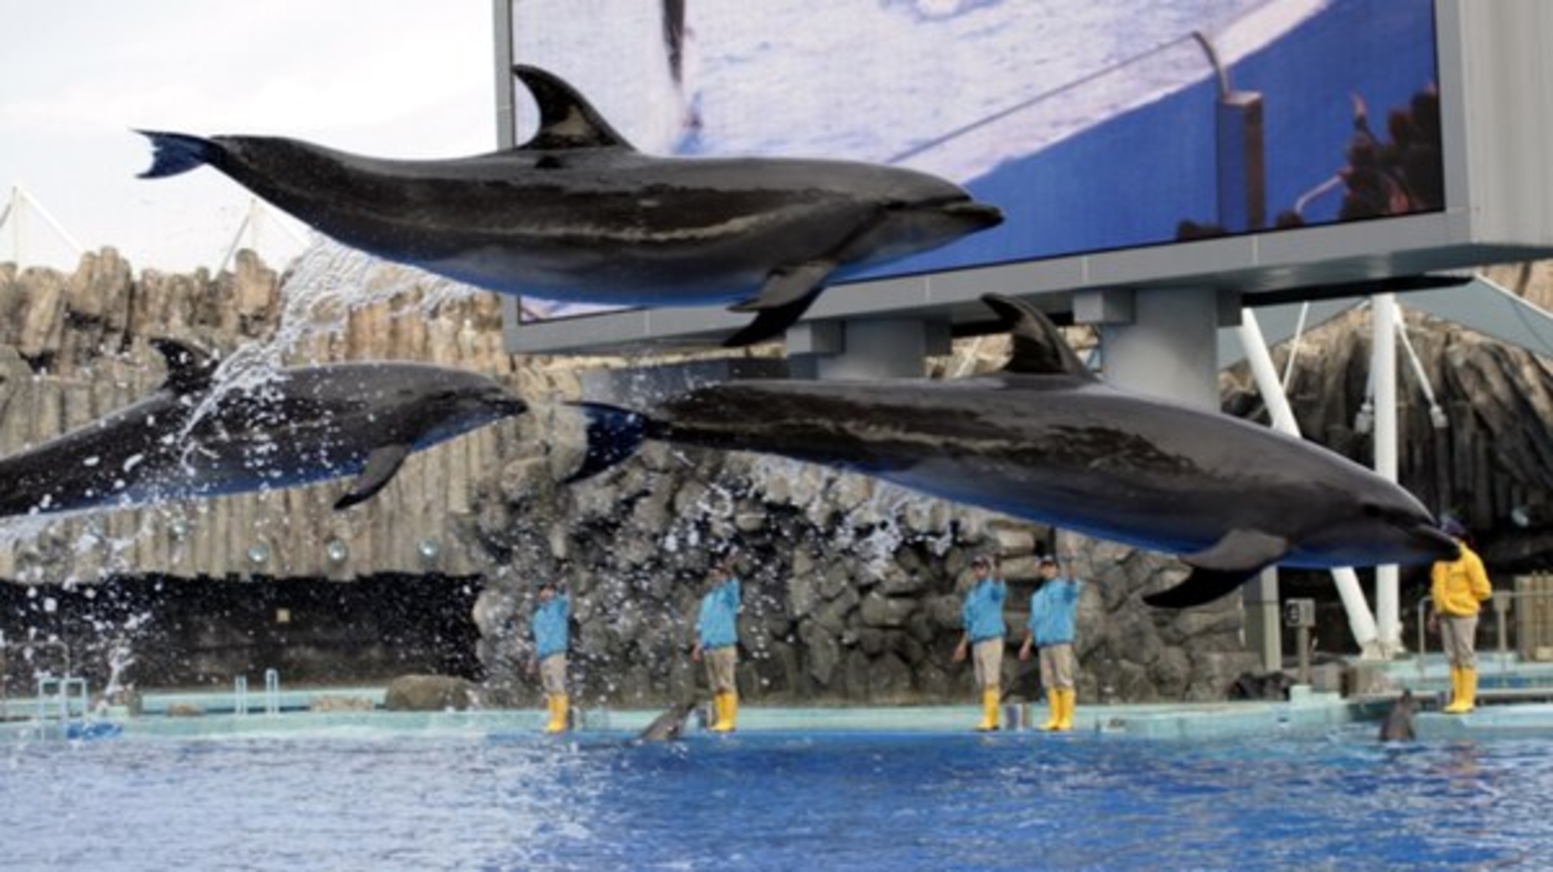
(481, 799)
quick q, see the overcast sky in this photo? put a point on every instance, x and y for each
(394, 78)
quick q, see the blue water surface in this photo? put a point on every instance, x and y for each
(476, 799)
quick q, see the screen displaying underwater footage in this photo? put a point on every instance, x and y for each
(1095, 125)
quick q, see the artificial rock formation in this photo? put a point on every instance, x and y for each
(74, 348)
(852, 587)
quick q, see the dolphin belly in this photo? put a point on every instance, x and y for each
(1099, 506)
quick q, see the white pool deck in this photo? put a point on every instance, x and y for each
(1516, 699)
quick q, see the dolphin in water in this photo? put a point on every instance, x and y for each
(1048, 441)
(670, 725)
(304, 425)
(1398, 725)
(577, 214)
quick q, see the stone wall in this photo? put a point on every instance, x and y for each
(852, 587)
(73, 348)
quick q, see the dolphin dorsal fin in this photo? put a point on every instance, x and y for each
(188, 368)
(1038, 348)
(566, 118)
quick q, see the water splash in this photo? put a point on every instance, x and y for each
(320, 290)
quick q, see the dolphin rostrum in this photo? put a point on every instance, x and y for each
(577, 214)
(302, 425)
(1046, 440)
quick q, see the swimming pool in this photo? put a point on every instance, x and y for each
(473, 798)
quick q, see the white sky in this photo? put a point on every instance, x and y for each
(393, 78)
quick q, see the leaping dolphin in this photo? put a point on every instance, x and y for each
(577, 214)
(1048, 441)
(304, 425)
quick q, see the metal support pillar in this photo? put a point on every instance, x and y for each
(1361, 623)
(869, 348)
(1383, 311)
(1159, 342)
(1264, 629)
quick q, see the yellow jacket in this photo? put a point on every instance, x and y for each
(1460, 585)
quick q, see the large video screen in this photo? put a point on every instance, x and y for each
(1095, 125)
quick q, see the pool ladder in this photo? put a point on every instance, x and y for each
(59, 696)
(271, 693)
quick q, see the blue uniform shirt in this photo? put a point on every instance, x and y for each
(551, 626)
(983, 610)
(1053, 611)
(718, 624)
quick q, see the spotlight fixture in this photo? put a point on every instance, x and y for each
(259, 553)
(1364, 422)
(337, 550)
(429, 549)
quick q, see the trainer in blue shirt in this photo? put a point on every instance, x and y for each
(1053, 620)
(717, 642)
(552, 636)
(982, 614)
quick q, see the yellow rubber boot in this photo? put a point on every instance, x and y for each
(727, 712)
(990, 698)
(1065, 698)
(559, 705)
(1465, 699)
(1054, 703)
(1458, 693)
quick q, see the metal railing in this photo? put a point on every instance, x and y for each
(1516, 625)
(12, 652)
(63, 696)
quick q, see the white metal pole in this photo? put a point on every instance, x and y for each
(10, 206)
(1294, 345)
(17, 211)
(1436, 413)
(53, 222)
(1360, 621)
(237, 239)
(1383, 310)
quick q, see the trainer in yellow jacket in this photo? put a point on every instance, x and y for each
(1459, 589)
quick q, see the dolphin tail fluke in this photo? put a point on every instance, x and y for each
(175, 153)
(614, 434)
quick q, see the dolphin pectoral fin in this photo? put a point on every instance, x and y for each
(189, 369)
(1239, 549)
(382, 463)
(1224, 566)
(1038, 348)
(1201, 587)
(787, 294)
(788, 285)
(566, 118)
(614, 434)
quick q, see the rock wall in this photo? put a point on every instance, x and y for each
(1489, 461)
(73, 348)
(852, 587)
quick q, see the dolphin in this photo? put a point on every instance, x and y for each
(577, 214)
(304, 425)
(670, 725)
(1398, 725)
(1046, 440)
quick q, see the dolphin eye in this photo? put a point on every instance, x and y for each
(1371, 510)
